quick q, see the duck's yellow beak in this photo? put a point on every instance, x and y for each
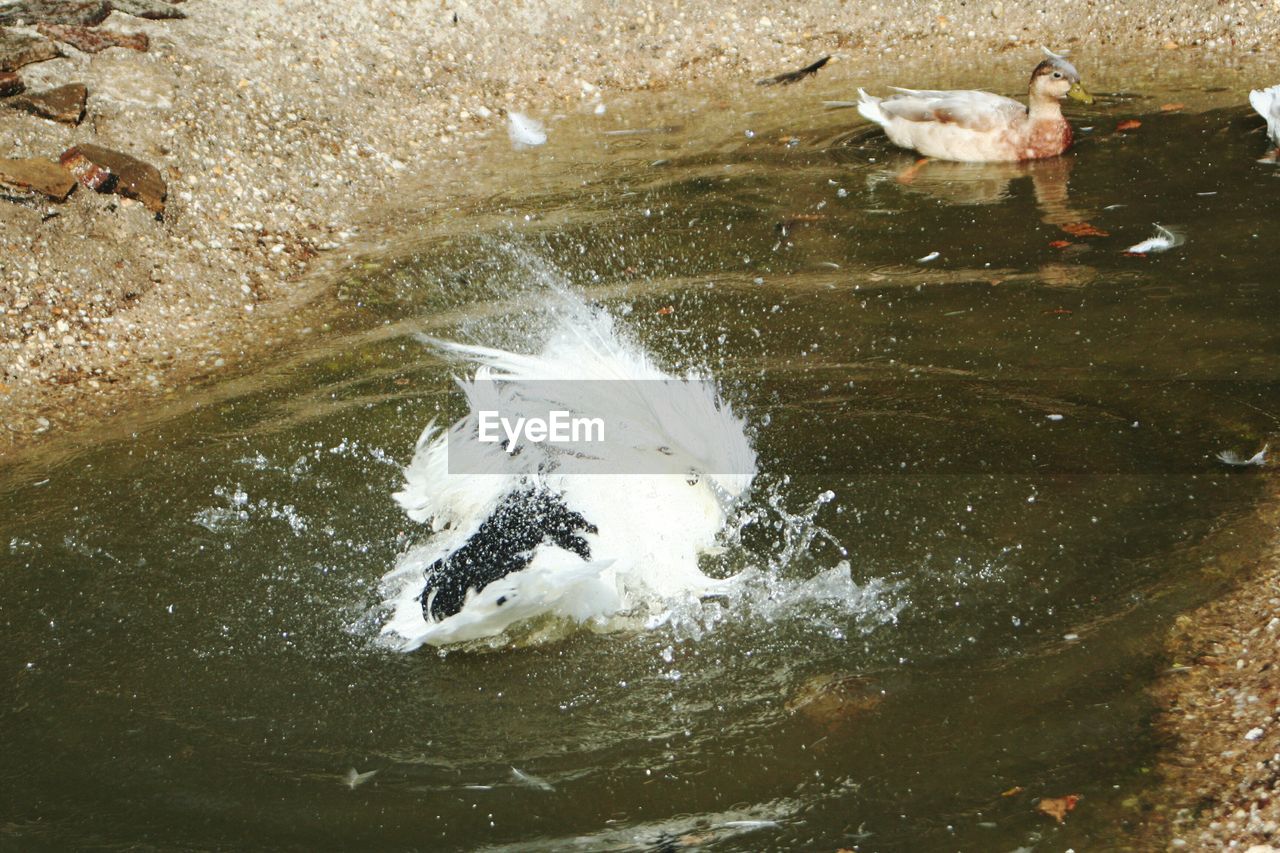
(1078, 93)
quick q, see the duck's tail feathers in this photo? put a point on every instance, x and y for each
(1267, 103)
(869, 106)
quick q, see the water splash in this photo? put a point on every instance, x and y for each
(657, 587)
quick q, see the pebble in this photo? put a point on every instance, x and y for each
(10, 84)
(74, 12)
(105, 170)
(19, 49)
(152, 9)
(37, 175)
(64, 104)
(92, 39)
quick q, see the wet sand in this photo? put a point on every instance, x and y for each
(283, 129)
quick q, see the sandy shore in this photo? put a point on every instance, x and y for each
(282, 127)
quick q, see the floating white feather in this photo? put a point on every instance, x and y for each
(530, 781)
(525, 131)
(1164, 240)
(1230, 457)
(353, 778)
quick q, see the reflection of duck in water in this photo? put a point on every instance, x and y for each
(986, 183)
(980, 126)
(1267, 103)
(580, 535)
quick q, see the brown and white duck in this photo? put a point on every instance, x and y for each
(976, 126)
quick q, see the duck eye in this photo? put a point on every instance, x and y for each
(1057, 75)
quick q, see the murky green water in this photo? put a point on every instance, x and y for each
(183, 609)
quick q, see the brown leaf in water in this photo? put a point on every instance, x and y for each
(668, 309)
(1057, 807)
(1172, 108)
(1012, 792)
(1129, 124)
(1061, 244)
(1060, 311)
(1083, 229)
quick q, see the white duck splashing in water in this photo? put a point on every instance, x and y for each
(542, 533)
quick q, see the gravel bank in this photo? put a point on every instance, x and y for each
(1220, 778)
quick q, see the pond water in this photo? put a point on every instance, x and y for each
(988, 481)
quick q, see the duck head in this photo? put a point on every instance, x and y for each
(1057, 78)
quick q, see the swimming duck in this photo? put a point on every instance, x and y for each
(980, 126)
(1267, 103)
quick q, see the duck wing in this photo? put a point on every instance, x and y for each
(972, 110)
